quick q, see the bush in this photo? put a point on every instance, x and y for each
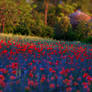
(62, 27)
(36, 30)
(83, 30)
(9, 29)
(22, 29)
(88, 40)
(43, 31)
(47, 31)
(71, 35)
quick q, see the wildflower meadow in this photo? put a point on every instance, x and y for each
(36, 65)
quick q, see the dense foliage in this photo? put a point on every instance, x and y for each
(45, 18)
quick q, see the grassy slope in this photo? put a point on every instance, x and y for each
(2, 35)
(24, 37)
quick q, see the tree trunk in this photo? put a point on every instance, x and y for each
(3, 26)
(55, 2)
(0, 28)
(46, 11)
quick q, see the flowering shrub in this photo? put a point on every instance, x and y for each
(44, 66)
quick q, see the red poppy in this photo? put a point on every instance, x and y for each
(53, 71)
(50, 69)
(85, 84)
(12, 77)
(82, 59)
(85, 75)
(0, 46)
(41, 69)
(89, 78)
(75, 83)
(5, 51)
(2, 83)
(33, 61)
(72, 69)
(34, 68)
(68, 89)
(14, 65)
(52, 78)
(31, 75)
(67, 70)
(62, 71)
(79, 78)
(11, 52)
(78, 91)
(3, 70)
(14, 71)
(30, 63)
(25, 59)
(43, 79)
(57, 62)
(30, 83)
(2, 77)
(89, 68)
(67, 82)
(1, 90)
(52, 85)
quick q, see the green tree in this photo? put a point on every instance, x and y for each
(62, 27)
(81, 4)
(26, 17)
(15, 13)
(44, 6)
(8, 14)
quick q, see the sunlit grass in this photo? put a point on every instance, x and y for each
(23, 36)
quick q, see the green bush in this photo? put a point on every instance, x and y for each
(47, 31)
(9, 28)
(43, 31)
(22, 29)
(88, 40)
(36, 30)
(71, 35)
(83, 30)
(62, 27)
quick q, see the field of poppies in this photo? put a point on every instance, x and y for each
(31, 65)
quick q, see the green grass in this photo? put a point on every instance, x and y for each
(2, 35)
